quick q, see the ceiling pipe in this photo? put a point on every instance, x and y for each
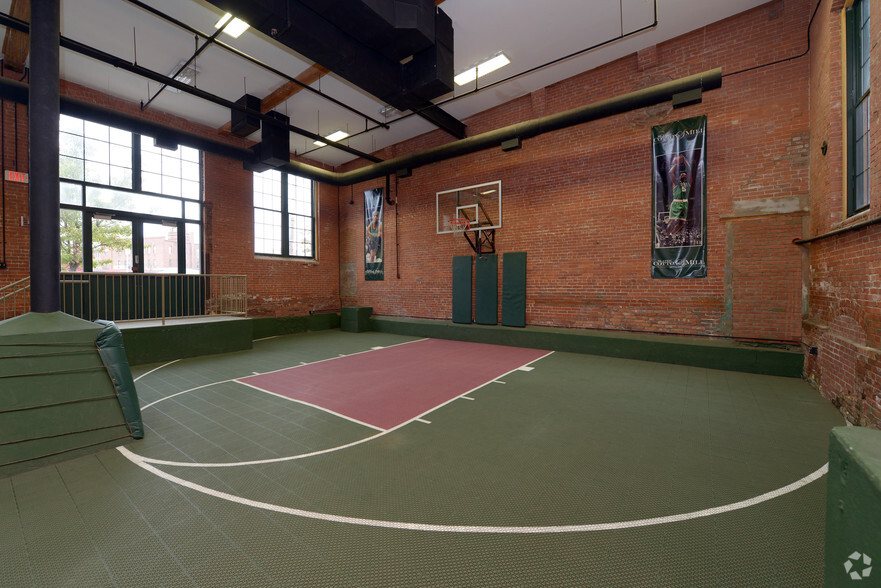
(136, 69)
(18, 92)
(708, 80)
(705, 81)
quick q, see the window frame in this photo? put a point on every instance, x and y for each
(857, 102)
(287, 215)
(181, 221)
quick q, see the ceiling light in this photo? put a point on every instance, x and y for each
(234, 27)
(481, 69)
(334, 136)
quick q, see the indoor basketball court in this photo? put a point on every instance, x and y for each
(439, 293)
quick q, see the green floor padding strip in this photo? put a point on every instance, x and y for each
(711, 352)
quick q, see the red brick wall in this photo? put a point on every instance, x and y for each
(276, 286)
(842, 320)
(13, 195)
(578, 201)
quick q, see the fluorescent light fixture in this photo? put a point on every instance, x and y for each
(481, 69)
(334, 136)
(234, 27)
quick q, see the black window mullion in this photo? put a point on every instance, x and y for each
(87, 242)
(285, 219)
(136, 162)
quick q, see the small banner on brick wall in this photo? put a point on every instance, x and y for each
(373, 267)
(679, 197)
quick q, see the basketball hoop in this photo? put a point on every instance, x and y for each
(459, 225)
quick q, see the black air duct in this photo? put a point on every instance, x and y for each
(364, 41)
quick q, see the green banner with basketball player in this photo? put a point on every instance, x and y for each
(679, 198)
(373, 266)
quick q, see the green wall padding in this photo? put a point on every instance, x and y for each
(514, 289)
(709, 352)
(355, 319)
(272, 326)
(462, 289)
(853, 507)
(486, 290)
(112, 352)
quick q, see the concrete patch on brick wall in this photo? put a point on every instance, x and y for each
(726, 322)
(776, 205)
(348, 279)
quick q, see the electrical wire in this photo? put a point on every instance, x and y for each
(786, 59)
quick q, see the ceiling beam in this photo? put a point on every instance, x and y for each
(16, 44)
(309, 76)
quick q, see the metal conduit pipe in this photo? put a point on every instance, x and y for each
(708, 80)
(18, 92)
(136, 69)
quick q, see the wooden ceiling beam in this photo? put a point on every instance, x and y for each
(309, 76)
(16, 44)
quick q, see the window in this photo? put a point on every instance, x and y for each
(857, 34)
(284, 215)
(127, 205)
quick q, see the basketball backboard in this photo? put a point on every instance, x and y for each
(480, 204)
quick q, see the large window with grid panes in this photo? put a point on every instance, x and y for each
(284, 215)
(858, 45)
(127, 205)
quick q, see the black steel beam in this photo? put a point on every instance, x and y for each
(255, 61)
(441, 119)
(136, 69)
(19, 92)
(43, 115)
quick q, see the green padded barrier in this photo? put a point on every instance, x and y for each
(56, 398)
(853, 508)
(272, 326)
(112, 352)
(462, 289)
(355, 319)
(175, 340)
(486, 290)
(514, 289)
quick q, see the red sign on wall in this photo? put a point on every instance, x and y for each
(16, 176)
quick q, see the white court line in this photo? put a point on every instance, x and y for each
(190, 464)
(240, 377)
(146, 406)
(156, 368)
(316, 406)
(292, 367)
(139, 461)
(422, 421)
